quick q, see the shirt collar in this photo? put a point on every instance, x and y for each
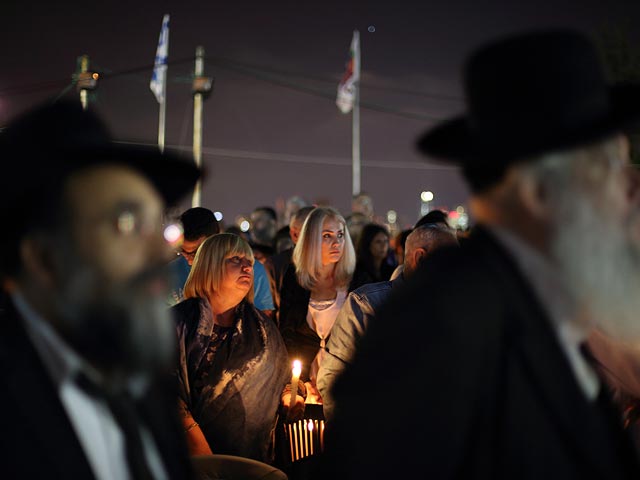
(61, 361)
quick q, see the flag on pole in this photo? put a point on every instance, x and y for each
(347, 86)
(159, 77)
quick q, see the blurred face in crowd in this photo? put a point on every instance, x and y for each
(295, 227)
(379, 246)
(355, 224)
(597, 241)
(189, 248)
(363, 204)
(332, 241)
(109, 276)
(263, 227)
(238, 277)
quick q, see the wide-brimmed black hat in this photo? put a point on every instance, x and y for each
(51, 141)
(526, 95)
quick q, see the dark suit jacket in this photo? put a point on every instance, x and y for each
(462, 376)
(37, 439)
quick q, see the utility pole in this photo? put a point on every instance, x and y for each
(201, 89)
(85, 80)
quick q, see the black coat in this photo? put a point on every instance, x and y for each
(301, 340)
(37, 439)
(461, 376)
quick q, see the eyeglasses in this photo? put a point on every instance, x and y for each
(187, 255)
(128, 220)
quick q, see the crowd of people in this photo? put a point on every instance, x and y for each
(128, 351)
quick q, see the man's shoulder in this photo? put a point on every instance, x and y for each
(259, 269)
(471, 258)
(369, 289)
(370, 295)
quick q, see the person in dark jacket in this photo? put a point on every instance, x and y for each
(372, 256)
(86, 343)
(484, 374)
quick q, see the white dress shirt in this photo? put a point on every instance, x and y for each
(99, 435)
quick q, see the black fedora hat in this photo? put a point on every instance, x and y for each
(529, 94)
(47, 143)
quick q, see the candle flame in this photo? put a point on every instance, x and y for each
(297, 367)
(310, 425)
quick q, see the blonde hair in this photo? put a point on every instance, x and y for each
(208, 270)
(307, 254)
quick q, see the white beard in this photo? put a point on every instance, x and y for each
(600, 263)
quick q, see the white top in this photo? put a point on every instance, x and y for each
(321, 315)
(100, 436)
(562, 311)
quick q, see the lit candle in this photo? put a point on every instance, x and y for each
(295, 376)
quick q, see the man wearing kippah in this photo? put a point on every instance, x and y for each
(478, 368)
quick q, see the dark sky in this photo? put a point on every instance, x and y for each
(271, 128)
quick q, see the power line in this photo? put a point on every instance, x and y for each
(331, 80)
(219, 61)
(105, 74)
(303, 159)
(330, 95)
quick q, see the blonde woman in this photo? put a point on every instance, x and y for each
(314, 288)
(233, 364)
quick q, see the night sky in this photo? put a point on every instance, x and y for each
(271, 127)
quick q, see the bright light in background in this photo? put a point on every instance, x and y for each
(426, 196)
(218, 216)
(173, 233)
(392, 216)
(244, 226)
(463, 221)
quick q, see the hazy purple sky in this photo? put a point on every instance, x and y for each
(271, 128)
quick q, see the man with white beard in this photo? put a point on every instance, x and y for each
(479, 362)
(86, 343)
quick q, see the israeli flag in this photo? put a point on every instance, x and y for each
(159, 77)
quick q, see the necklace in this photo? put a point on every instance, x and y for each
(321, 304)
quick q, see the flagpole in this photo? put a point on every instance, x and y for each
(355, 126)
(348, 100)
(162, 113)
(197, 125)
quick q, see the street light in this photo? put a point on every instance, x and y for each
(426, 197)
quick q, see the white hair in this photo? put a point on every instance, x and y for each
(592, 243)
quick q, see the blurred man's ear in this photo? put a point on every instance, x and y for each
(534, 197)
(38, 263)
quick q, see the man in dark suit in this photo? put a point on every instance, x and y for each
(476, 368)
(86, 343)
